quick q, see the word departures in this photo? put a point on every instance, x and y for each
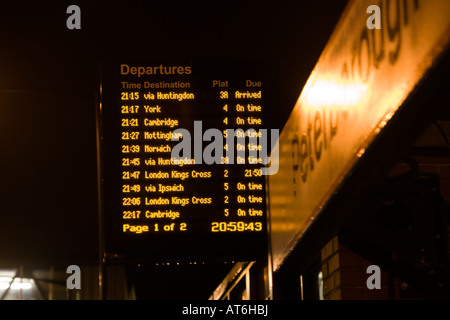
(185, 154)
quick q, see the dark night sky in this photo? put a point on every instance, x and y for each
(49, 80)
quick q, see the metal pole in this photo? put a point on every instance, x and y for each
(101, 249)
(269, 242)
(50, 284)
(20, 287)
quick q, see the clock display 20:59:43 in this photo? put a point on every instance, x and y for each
(236, 226)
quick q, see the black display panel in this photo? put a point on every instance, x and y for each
(201, 203)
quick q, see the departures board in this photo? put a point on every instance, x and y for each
(174, 188)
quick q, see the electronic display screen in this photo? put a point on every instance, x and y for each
(181, 150)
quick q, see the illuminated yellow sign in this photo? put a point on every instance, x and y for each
(359, 82)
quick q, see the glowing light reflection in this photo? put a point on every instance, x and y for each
(334, 93)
